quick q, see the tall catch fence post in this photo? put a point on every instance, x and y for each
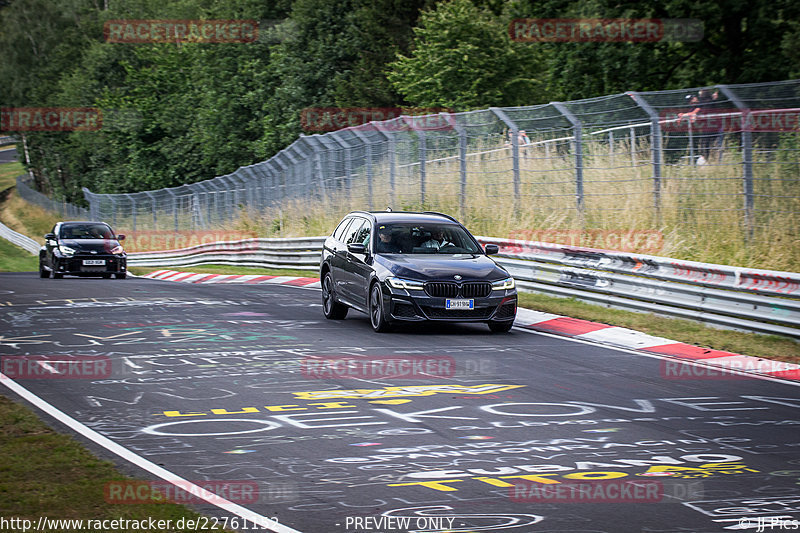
(577, 143)
(368, 161)
(514, 130)
(462, 169)
(656, 155)
(747, 160)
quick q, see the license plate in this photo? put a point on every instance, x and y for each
(94, 262)
(460, 304)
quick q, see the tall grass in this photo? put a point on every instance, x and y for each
(699, 210)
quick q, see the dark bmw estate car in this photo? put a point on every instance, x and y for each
(407, 267)
(82, 249)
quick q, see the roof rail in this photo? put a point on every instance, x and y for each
(440, 214)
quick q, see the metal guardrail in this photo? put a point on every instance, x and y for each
(297, 253)
(6, 140)
(762, 301)
(19, 239)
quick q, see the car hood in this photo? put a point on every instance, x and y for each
(100, 246)
(442, 267)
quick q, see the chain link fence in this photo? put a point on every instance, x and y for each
(724, 158)
(64, 209)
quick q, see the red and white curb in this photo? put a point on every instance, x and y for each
(191, 277)
(727, 362)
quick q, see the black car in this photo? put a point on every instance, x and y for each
(409, 267)
(82, 249)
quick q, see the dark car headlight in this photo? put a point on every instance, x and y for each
(118, 250)
(407, 284)
(503, 284)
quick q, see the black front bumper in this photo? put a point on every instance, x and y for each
(402, 305)
(74, 266)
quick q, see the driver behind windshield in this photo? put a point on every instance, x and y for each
(386, 242)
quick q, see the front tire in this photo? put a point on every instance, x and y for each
(121, 275)
(57, 275)
(376, 315)
(43, 272)
(501, 327)
(333, 310)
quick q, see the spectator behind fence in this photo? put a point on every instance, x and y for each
(522, 140)
(706, 140)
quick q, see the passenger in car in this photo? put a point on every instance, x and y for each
(437, 240)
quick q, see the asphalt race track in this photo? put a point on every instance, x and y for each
(249, 388)
(8, 155)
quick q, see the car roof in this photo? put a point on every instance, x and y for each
(389, 217)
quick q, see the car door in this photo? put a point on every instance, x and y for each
(50, 245)
(361, 266)
(338, 254)
(352, 261)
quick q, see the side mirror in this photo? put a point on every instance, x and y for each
(492, 249)
(356, 248)
(50, 236)
(120, 237)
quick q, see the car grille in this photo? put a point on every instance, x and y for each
(450, 289)
(440, 312)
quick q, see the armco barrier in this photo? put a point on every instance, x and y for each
(298, 253)
(762, 301)
(19, 239)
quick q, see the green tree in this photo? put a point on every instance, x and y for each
(741, 44)
(463, 58)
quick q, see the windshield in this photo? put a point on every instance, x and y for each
(86, 231)
(424, 239)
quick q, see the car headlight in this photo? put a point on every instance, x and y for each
(117, 250)
(407, 284)
(66, 250)
(503, 284)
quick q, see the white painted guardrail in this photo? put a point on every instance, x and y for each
(19, 239)
(762, 301)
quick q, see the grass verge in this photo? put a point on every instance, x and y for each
(15, 259)
(44, 473)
